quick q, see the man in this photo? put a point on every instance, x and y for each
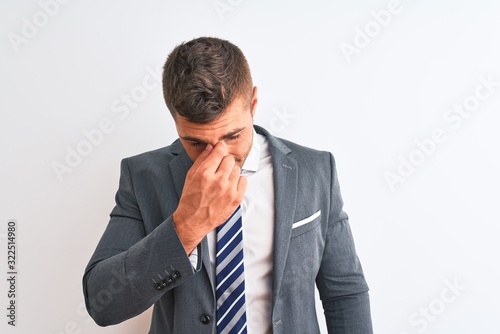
(226, 188)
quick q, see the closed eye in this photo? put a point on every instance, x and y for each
(233, 137)
(195, 143)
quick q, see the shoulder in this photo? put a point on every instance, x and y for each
(302, 154)
(158, 157)
(305, 153)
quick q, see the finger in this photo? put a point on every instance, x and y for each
(202, 157)
(242, 186)
(235, 175)
(214, 159)
(226, 166)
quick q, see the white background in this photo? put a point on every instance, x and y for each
(415, 239)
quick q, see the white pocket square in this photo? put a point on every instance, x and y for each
(306, 220)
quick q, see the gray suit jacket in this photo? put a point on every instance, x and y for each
(140, 260)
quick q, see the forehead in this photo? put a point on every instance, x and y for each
(235, 115)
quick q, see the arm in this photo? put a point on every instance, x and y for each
(121, 278)
(131, 269)
(341, 283)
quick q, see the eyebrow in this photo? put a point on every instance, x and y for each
(226, 136)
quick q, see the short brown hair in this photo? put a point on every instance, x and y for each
(203, 76)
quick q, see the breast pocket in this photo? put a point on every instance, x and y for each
(305, 225)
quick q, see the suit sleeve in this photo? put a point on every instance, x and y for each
(130, 270)
(340, 281)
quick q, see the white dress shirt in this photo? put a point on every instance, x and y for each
(258, 236)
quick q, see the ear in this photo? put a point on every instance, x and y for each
(253, 104)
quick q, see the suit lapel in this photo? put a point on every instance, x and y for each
(207, 265)
(285, 172)
(179, 166)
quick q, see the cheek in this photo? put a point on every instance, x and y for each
(240, 149)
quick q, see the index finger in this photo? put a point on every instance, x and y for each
(214, 158)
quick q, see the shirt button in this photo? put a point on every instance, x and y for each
(205, 319)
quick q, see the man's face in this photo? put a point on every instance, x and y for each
(234, 126)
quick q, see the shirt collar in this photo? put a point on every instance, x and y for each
(252, 161)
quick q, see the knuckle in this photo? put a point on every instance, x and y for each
(219, 183)
(238, 200)
(229, 159)
(220, 155)
(205, 174)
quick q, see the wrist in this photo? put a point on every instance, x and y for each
(188, 240)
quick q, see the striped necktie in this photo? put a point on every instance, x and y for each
(230, 277)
